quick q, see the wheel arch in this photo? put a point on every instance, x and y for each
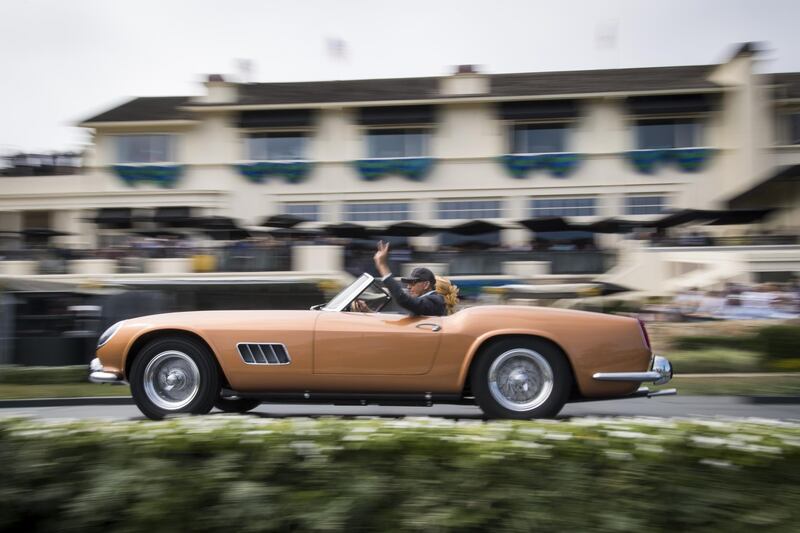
(485, 341)
(142, 340)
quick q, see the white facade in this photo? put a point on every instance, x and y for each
(466, 142)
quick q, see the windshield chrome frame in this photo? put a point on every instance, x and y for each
(352, 292)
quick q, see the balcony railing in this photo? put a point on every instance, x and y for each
(196, 259)
(491, 262)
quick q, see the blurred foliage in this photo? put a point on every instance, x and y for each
(777, 346)
(715, 342)
(715, 360)
(251, 474)
(785, 365)
(41, 375)
(781, 341)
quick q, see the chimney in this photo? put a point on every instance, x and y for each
(219, 91)
(465, 81)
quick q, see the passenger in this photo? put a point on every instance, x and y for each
(449, 293)
(421, 298)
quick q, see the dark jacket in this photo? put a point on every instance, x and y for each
(431, 304)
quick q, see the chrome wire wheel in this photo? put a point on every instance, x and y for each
(520, 379)
(171, 380)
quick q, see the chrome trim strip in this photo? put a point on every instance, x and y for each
(626, 376)
(262, 357)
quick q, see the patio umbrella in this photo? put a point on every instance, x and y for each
(545, 224)
(347, 230)
(158, 233)
(282, 221)
(43, 233)
(173, 216)
(115, 217)
(215, 223)
(405, 229)
(474, 227)
(611, 225)
(293, 233)
(740, 216)
(684, 216)
(227, 234)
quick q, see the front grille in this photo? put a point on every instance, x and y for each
(263, 354)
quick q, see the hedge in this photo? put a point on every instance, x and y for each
(706, 342)
(780, 341)
(715, 360)
(43, 375)
(775, 343)
(250, 474)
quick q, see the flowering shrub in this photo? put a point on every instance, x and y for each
(254, 474)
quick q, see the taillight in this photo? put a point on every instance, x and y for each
(645, 335)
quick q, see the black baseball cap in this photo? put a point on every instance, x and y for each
(420, 274)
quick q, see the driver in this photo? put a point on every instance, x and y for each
(421, 297)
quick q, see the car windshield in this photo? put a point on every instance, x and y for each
(350, 293)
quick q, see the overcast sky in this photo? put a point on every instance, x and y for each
(62, 61)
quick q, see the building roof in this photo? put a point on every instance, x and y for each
(146, 108)
(534, 84)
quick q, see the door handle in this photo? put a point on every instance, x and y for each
(434, 327)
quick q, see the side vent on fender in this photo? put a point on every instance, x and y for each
(263, 354)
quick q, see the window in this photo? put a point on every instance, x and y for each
(793, 129)
(471, 209)
(370, 212)
(562, 207)
(645, 205)
(673, 133)
(145, 148)
(276, 146)
(392, 143)
(539, 138)
(311, 212)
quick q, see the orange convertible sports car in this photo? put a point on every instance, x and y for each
(514, 362)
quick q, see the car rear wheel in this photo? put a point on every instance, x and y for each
(174, 375)
(521, 378)
(236, 405)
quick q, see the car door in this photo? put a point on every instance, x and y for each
(375, 343)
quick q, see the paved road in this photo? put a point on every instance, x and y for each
(674, 406)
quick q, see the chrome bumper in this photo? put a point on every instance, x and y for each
(98, 375)
(660, 373)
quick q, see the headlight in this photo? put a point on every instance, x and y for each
(107, 334)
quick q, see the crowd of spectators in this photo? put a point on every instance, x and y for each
(734, 301)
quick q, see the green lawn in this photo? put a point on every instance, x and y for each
(64, 390)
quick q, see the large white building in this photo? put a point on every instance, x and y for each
(583, 144)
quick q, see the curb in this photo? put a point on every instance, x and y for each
(774, 400)
(66, 402)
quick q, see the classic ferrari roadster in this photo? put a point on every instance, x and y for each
(513, 362)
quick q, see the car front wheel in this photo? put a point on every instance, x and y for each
(174, 375)
(521, 378)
